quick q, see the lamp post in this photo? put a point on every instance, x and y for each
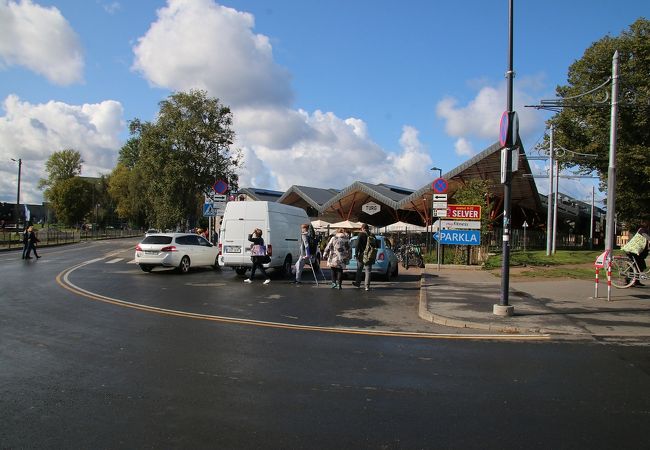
(20, 165)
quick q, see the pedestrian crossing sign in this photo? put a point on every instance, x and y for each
(209, 210)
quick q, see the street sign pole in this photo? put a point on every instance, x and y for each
(503, 308)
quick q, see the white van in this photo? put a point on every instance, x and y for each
(280, 225)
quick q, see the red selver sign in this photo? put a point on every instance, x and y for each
(464, 212)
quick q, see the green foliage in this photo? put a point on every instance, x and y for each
(539, 258)
(126, 189)
(168, 164)
(71, 199)
(61, 165)
(586, 129)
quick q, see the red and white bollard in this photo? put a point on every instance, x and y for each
(604, 262)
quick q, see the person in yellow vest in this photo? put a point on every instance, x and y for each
(637, 249)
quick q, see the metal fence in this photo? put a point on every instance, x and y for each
(52, 236)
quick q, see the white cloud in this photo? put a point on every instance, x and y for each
(479, 119)
(112, 8)
(41, 40)
(202, 45)
(464, 147)
(33, 132)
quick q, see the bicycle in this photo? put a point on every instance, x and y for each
(410, 255)
(625, 272)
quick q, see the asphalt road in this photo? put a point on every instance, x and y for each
(102, 355)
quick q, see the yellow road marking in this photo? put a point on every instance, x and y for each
(63, 280)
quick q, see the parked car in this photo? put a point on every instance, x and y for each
(151, 231)
(386, 263)
(179, 250)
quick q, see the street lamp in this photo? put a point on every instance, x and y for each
(20, 165)
(439, 170)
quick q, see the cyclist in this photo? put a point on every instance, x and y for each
(637, 249)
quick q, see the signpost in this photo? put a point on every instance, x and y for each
(460, 224)
(371, 208)
(220, 187)
(439, 185)
(464, 212)
(458, 237)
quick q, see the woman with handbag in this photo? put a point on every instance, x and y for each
(338, 253)
(258, 255)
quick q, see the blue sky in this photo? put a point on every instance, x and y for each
(323, 93)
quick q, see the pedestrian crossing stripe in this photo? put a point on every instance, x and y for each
(113, 261)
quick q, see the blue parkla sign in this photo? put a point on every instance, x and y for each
(458, 237)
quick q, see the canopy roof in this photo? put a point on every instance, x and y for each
(414, 206)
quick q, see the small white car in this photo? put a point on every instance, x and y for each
(179, 250)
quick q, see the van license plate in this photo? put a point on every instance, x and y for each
(232, 249)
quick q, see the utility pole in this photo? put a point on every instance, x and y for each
(611, 170)
(503, 308)
(549, 218)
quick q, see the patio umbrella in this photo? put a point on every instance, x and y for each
(320, 225)
(403, 226)
(347, 225)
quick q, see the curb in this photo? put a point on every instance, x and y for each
(425, 314)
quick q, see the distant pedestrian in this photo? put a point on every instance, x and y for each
(26, 250)
(258, 255)
(337, 252)
(32, 240)
(304, 255)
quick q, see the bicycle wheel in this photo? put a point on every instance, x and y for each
(623, 273)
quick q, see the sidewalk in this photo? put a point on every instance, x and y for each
(465, 298)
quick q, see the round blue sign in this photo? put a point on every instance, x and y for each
(503, 129)
(439, 186)
(220, 187)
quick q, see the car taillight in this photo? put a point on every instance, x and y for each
(220, 248)
(380, 257)
(138, 248)
(169, 248)
(269, 250)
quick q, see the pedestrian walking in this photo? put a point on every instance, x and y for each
(337, 252)
(304, 255)
(26, 250)
(258, 255)
(365, 256)
(32, 240)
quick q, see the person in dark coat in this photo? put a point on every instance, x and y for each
(26, 250)
(362, 241)
(32, 240)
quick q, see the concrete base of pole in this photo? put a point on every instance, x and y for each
(501, 310)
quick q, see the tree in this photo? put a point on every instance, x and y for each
(61, 165)
(180, 155)
(63, 184)
(71, 199)
(126, 189)
(586, 128)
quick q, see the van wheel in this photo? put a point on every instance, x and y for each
(184, 266)
(286, 267)
(241, 271)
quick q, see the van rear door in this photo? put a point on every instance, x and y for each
(234, 240)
